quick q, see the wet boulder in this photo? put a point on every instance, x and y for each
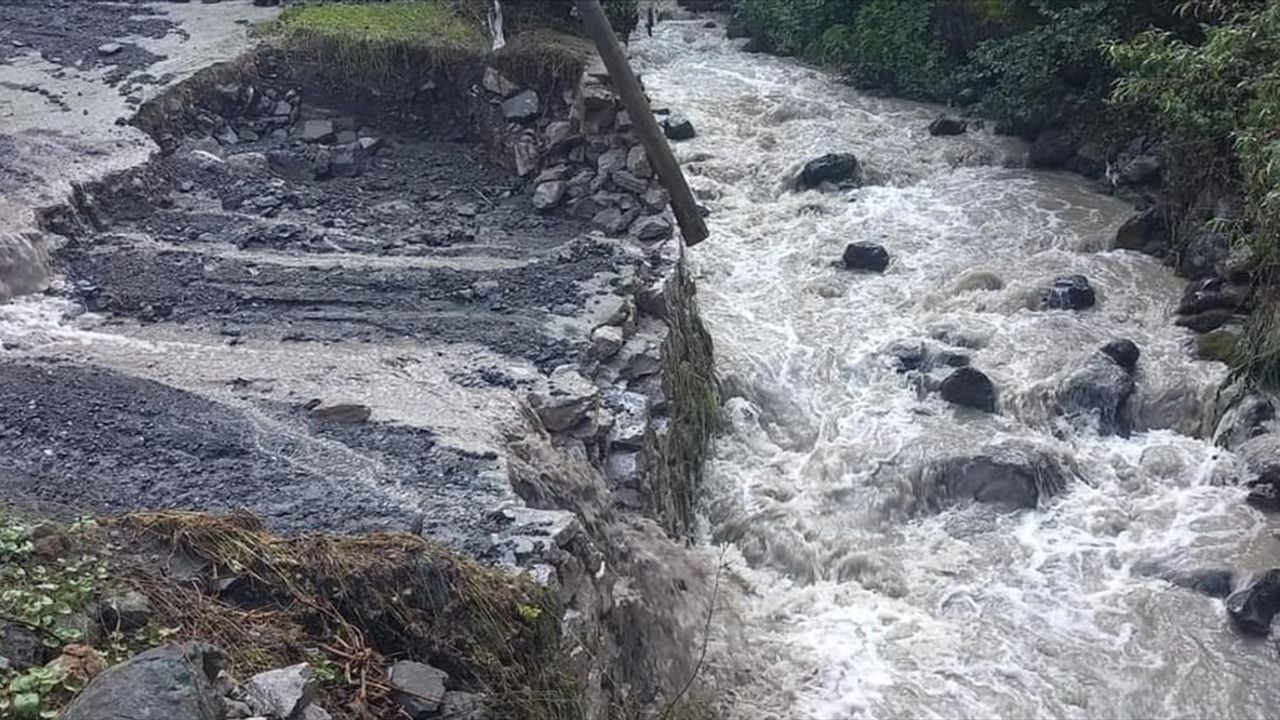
(1202, 255)
(1252, 609)
(866, 256)
(1206, 321)
(947, 125)
(1245, 416)
(1052, 148)
(1211, 294)
(171, 681)
(1009, 476)
(737, 27)
(1148, 231)
(1264, 497)
(1068, 292)
(969, 387)
(1099, 391)
(1214, 582)
(835, 168)
(1261, 454)
(1123, 352)
(678, 127)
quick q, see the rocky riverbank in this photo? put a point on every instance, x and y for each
(443, 303)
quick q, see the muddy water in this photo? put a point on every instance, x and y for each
(850, 603)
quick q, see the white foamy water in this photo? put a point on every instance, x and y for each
(850, 600)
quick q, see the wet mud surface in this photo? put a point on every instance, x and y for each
(82, 34)
(421, 245)
(84, 437)
(284, 242)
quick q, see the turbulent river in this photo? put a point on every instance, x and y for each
(847, 600)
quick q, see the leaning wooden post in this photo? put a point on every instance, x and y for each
(655, 144)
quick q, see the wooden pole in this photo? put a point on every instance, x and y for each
(655, 144)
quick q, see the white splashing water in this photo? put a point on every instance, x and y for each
(849, 607)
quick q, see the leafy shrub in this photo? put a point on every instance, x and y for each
(1024, 79)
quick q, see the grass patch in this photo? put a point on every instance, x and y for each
(688, 378)
(375, 39)
(1255, 356)
(348, 603)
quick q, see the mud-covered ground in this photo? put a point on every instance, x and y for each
(82, 34)
(429, 242)
(85, 437)
(283, 245)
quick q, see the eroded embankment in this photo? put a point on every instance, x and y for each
(448, 303)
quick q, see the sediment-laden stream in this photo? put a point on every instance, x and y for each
(862, 592)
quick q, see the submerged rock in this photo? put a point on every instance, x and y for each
(837, 168)
(969, 387)
(947, 125)
(1068, 292)
(1010, 476)
(168, 682)
(866, 256)
(1252, 609)
(1265, 498)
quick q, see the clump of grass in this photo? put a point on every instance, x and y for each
(1255, 356)
(360, 600)
(688, 378)
(375, 39)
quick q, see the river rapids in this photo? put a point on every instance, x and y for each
(847, 598)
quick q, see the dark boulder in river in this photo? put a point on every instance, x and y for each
(1252, 609)
(969, 387)
(1124, 352)
(836, 168)
(678, 127)
(1068, 292)
(866, 256)
(1100, 390)
(946, 125)
(1010, 476)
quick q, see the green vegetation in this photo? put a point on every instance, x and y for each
(47, 583)
(377, 39)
